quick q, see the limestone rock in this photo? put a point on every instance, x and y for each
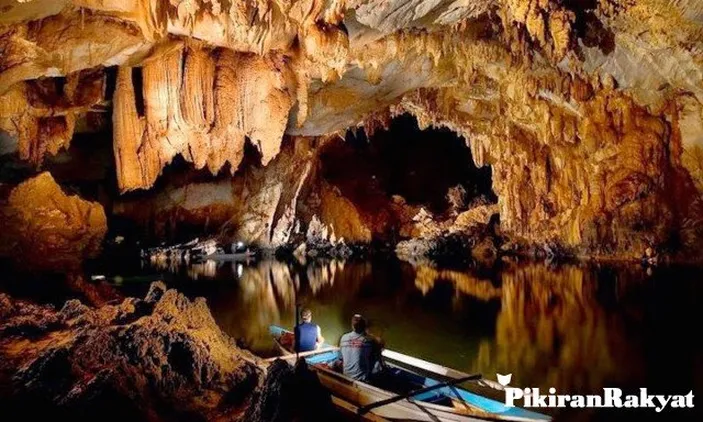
(158, 358)
(588, 112)
(43, 228)
(201, 104)
(42, 114)
(479, 215)
(345, 220)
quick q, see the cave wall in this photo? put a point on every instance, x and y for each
(588, 112)
(599, 173)
(270, 206)
(357, 191)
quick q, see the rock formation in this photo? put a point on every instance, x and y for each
(200, 103)
(158, 358)
(45, 229)
(153, 358)
(588, 112)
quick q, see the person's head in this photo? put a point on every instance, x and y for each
(306, 315)
(358, 324)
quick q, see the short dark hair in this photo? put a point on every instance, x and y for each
(358, 324)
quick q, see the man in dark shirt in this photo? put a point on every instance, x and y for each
(361, 352)
(308, 336)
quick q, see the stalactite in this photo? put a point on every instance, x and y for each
(200, 103)
(42, 114)
(589, 113)
(582, 171)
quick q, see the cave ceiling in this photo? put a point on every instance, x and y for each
(583, 107)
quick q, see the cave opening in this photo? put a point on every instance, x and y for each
(432, 168)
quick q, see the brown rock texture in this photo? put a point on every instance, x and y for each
(44, 228)
(588, 112)
(589, 177)
(42, 114)
(270, 206)
(158, 358)
(200, 103)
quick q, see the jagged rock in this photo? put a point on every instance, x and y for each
(344, 218)
(268, 198)
(415, 248)
(588, 112)
(317, 232)
(160, 358)
(43, 228)
(457, 197)
(477, 216)
(442, 248)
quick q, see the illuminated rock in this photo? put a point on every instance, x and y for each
(43, 228)
(123, 359)
(588, 113)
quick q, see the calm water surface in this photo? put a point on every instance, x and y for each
(573, 326)
(576, 327)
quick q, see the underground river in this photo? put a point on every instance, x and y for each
(574, 326)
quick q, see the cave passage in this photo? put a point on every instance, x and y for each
(419, 165)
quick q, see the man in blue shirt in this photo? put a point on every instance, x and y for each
(361, 352)
(308, 336)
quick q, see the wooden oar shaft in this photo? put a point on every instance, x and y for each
(368, 407)
(303, 354)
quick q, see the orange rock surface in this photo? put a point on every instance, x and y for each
(43, 228)
(589, 112)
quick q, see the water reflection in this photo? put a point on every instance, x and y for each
(575, 327)
(552, 328)
(465, 283)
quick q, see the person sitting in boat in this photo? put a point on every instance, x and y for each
(361, 351)
(308, 336)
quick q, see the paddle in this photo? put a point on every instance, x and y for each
(364, 409)
(304, 354)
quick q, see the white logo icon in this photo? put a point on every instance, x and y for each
(504, 379)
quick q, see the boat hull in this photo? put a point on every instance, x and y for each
(229, 257)
(350, 395)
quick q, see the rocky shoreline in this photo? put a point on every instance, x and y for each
(158, 358)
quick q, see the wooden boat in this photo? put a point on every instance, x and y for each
(241, 256)
(435, 395)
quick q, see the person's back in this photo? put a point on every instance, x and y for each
(307, 335)
(359, 351)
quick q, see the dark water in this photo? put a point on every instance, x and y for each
(576, 327)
